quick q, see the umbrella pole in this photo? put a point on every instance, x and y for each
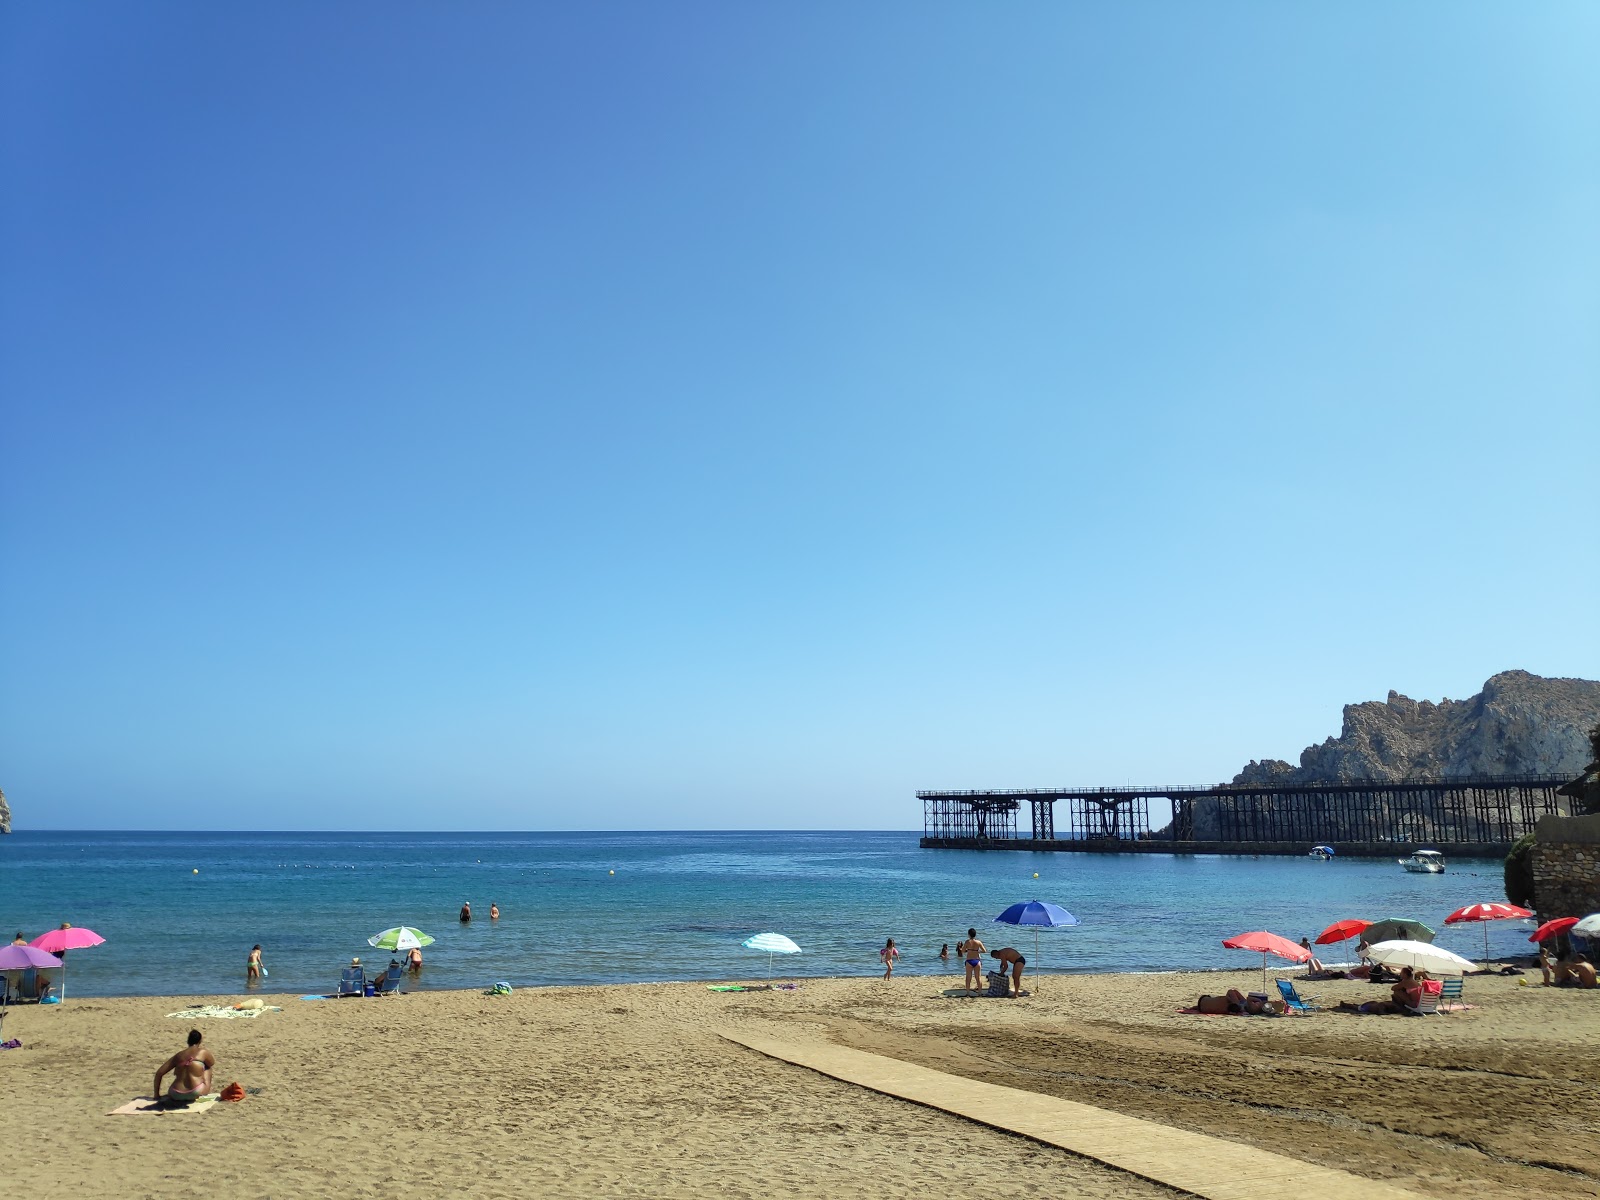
(1035, 966)
(1486, 941)
(1263, 971)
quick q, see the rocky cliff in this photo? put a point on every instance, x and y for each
(1519, 724)
(5, 814)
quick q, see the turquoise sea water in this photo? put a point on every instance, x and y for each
(676, 908)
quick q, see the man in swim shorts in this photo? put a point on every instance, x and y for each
(190, 1069)
(972, 951)
(1009, 957)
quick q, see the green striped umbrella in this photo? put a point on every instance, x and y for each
(402, 937)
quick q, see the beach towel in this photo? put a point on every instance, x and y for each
(142, 1105)
(223, 1012)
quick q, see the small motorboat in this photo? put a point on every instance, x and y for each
(1322, 852)
(1424, 862)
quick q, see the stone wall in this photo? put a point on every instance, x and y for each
(1566, 867)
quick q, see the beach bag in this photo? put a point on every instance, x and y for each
(233, 1092)
(999, 985)
(499, 989)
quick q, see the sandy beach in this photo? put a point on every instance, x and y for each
(629, 1090)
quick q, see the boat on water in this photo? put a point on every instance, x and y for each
(1322, 852)
(1424, 862)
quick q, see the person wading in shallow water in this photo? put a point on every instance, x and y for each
(466, 912)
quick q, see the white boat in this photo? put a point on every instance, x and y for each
(1322, 852)
(1424, 862)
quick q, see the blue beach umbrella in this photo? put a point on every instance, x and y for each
(1040, 914)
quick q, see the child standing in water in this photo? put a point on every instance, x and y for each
(888, 954)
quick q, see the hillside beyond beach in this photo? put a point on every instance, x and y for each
(628, 1090)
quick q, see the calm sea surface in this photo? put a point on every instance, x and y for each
(676, 908)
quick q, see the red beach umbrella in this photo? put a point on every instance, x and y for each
(1550, 928)
(1486, 913)
(68, 937)
(1341, 931)
(1267, 943)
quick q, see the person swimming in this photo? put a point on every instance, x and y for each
(190, 1069)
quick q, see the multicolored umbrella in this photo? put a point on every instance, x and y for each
(68, 937)
(402, 937)
(1550, 928)
(770, 944)
(1491, 911)
(1267, 943)
(1341, 931)
(1040, 914)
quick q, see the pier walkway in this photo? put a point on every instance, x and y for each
(1190, 1162)
(1479, 815)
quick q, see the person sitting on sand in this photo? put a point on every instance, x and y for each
(1312, 964)
(972, 951)
(191, 1074)
(252, 965)
(1012, 958)
(1576, 971)
(888, 955)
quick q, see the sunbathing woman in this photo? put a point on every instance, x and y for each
(191, 1074)
(1233, 1002)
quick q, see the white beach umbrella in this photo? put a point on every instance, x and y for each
(1419, 956)
(1589, 927)
(770, 944)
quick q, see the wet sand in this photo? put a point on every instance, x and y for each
(628, 1090)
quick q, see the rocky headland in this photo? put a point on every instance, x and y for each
(5, 814)
(1519, 724)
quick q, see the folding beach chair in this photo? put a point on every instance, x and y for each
(353, 982)
(1292, 998)
(388, 984)
(1427, 1003)
(1450, 993)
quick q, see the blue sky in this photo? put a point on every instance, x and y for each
(656, 416)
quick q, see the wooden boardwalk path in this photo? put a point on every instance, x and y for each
(1190, 1162)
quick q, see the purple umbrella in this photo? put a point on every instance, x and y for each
(21, 958)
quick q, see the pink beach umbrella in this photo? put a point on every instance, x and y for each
(1268, 943)
(68, 937)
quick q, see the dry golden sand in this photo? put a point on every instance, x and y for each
(629, 1091)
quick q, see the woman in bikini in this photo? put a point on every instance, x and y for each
(972, 950)
(888, 954)
(191, 1074)
(252, 965)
